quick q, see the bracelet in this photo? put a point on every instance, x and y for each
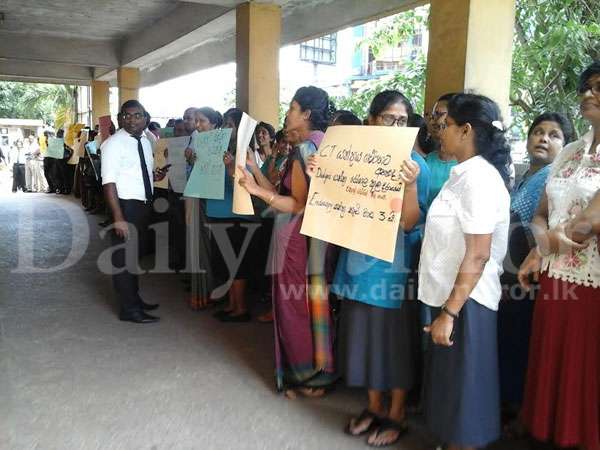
(271, 199)
(450, 313)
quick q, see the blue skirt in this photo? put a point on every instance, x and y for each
(462, 398)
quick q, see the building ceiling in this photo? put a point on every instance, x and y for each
(75, 41)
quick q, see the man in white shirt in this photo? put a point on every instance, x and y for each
(127, 175)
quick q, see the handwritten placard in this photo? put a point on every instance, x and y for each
(56, 148)
(104, 124)
(207, 179)
(175, 150)
(168, 132)
(357, 180)
(242, 202)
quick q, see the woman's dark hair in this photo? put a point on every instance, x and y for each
(280, 136)
(170, 123)
(317, 101)
(446, 97)
(385, 99)
(589, 72)
(490, 141)
(214, 117)
(235, 114)
(153, 126)
(269, 128)
(347, 118)
(425, 141)
(416, 121)
(562, 121)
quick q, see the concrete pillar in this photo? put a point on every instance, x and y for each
(100, 100)
(258, 38)
(470, 48)
(128, 79)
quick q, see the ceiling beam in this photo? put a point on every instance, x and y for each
(175, 33)
(216, 40)
(30, 72)
(75, 52)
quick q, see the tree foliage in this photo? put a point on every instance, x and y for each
(410, 80)
(52, 103)
(554, 40)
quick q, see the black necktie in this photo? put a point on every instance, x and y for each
(147, 186)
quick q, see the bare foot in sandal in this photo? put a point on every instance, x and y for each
(363, 423)
(387, 433)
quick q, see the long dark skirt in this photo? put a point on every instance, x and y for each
(378, 347)
(462, 399)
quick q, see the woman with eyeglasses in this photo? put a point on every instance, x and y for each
(562, 393)
(547, 135)
(466, 235)
(378, 337)
(439, 161)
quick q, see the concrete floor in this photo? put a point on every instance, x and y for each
(74, 377)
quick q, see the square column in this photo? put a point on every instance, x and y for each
(100, 100)
(470, 48)
(128, 80)
(258, 38)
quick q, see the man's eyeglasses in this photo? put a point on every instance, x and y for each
(136, 116)
(594, 87)
(389, 120)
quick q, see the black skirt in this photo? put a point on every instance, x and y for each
(378, 347)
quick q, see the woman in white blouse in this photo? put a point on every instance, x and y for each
(562, 393)
(465, 242)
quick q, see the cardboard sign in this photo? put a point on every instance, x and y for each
(207, 179)
(104, 123)
(56, 148)
(176, 157)
(242, 202)
(357, 181)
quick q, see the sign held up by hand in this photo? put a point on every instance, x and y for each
(357, 188)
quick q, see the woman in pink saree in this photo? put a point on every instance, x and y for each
(302, 319)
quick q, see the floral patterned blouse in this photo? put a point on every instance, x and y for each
(573, 182)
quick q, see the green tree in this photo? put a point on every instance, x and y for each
(410, 80)
(50, 102)
(554, 40)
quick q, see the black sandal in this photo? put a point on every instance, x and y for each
(390, 425)
(364, 415)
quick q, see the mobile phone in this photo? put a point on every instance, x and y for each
(164, 169)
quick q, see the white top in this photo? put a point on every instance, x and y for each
(474, 200)
(121, 165)
(573, 181)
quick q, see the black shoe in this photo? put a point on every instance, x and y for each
(149, 306)
(245, 317)
(219, 315)
(138, 317)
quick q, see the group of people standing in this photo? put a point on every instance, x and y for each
(470, 341)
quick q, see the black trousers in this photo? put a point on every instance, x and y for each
(126, 282)
(69, 177)
(18, 177)
(177, 231)
(50, 173)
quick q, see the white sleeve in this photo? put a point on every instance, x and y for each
(478, 208)
(110, 161)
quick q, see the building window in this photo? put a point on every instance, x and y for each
(319, 51)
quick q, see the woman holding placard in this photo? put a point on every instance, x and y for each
(465, 242)
(378, 339)
(230, 229)
(302, 321)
